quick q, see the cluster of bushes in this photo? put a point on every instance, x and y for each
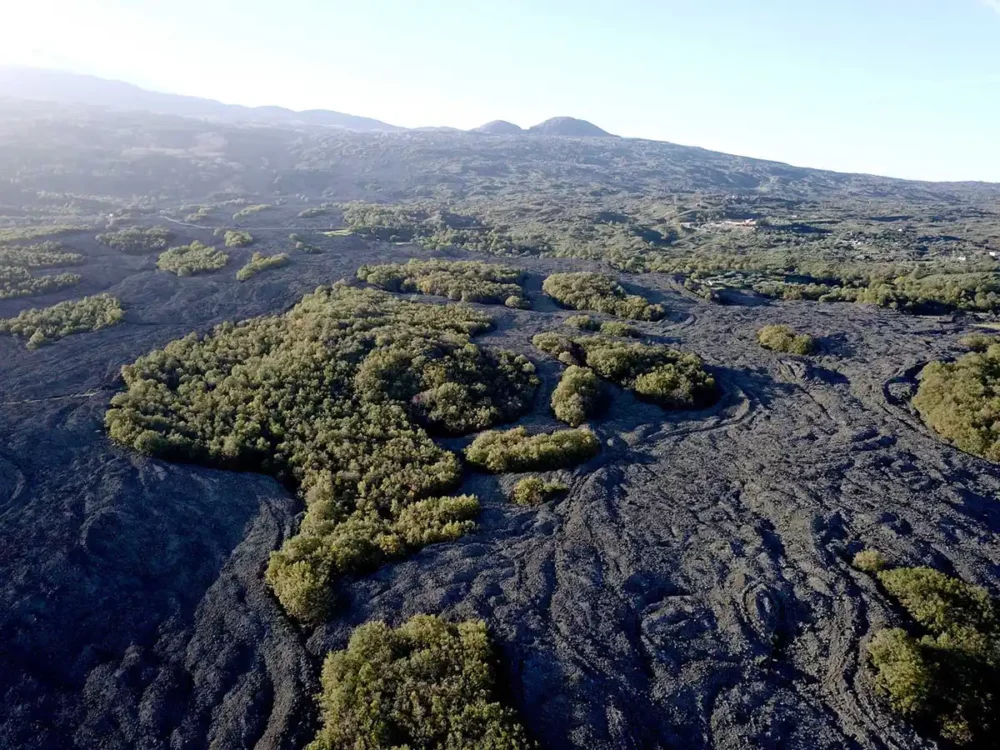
(960, 400)
(468, 281)
(237, 238)
(607, 327)
(303, 246)
(670, 378)
(516, 451)
(426, 684)
(137, 240)
(978, 342)
(335, 397)
(535, 491)
(188, 260)
(260, 262)
(314, 211)
(583, 290)
(44, 325)
(20, 282)
(22, 234)
(197, 213)
(944, 673)
(577, 396)
(42, 255)
(251, 210)
(780, 338)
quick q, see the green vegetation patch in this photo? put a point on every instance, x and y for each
(672, 379)
(237, 238)
(978, 342)
(583, 290)
(335, 397)
(137, 240)
(577, 396)
(468, 281)
(251, 210)
(22, 234)
(42, 255)
(44, 325)
(426, 684)
(946, 675)
(535, 491)
(20, 282)
(260, 262)
(314, 211)
(515, 450)
(780, 338)
(188, 260)
(960, 400)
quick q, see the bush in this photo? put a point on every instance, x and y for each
(978, 342)
(137, 240)
(426, 684)
(959, 400)
(260, 262)
(516, 451)
(946, 677)
(334, 397)
(784, 339)
(584, 290)
(668, 377)
(619, 329)
(577, 396)
(314, 211)
(468, 281)
(251, 210)
(582, 322)
(42, 255)
(869, 561)
(188, 260)
(20, 282)
(42, 326)
(237, 238)
(535, 491)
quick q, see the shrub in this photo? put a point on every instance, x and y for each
(42, 255)
(784, 339)
(978, 342)
(44, 325)
(869, 561)
(334, 397)
(251, 210)
(584, 290)
(20, 282)
(577, 396)
(619, 329)
(535, 491)
(137, 240)
(468, 281)
(314, 211)
(260, 262)
(426, 684)
(959, 400)
(515, 450)
(582, 322)
(188, 260)
(668, 377)
(237, 238)
(948, 676)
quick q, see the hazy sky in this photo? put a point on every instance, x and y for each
(908, 88)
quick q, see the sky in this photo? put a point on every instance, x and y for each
(906, 88)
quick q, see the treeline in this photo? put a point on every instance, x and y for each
(584, 290)
(335, 397)
(43, 325)
(466, 281)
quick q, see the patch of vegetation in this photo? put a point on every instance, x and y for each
(335, 397)
(197, 213)
(780, 338)
(251, 210)
(188, 260)
(869, 561)
(960, 400)
(42, 255)
(945, 676)
(535, 491)
(670, 378)
(302, 246)
(237, 238)
(20, 282)
(583, 290)
(516, 451)
(44, 325)
(260, 262)
(314, 211)
(577, 396)
(468, 281)
(23, 234)
(619, 329)
(137, 240)
(978, 342)
(583, 322)
(426, 684)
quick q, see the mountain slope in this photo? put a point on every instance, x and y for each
(499, 127)
(569, 126)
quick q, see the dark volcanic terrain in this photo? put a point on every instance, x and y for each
(692, 590)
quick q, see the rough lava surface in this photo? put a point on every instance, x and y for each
(692, 590)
